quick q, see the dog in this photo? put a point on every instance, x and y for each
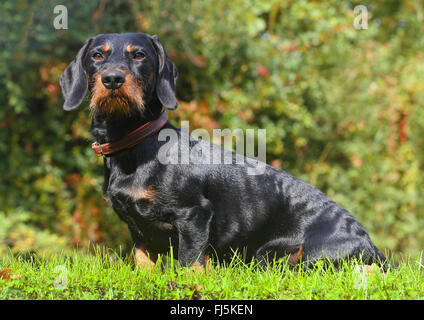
(197, 209)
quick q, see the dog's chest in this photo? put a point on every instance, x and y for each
(139, 201)
(139, 207)
(143, 201)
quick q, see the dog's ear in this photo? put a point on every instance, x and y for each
(73, 80)
(166, 78)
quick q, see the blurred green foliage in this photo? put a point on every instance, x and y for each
(343, 108)
(19, 236)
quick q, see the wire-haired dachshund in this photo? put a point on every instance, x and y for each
(197, 208)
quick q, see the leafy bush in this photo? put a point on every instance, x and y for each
(20, 236)
(342, 107)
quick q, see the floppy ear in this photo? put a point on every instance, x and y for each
(167, 77)
(74, 81)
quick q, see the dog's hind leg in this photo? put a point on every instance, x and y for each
(278, 248)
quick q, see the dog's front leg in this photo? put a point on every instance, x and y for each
(144, 258)
(193, 236)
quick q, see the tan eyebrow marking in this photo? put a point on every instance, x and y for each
(106, 47)
(130, 48)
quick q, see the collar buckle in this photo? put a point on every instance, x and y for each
(99, 146)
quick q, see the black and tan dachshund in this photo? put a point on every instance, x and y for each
(197, 208)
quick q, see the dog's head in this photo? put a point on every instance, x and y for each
(123, 72)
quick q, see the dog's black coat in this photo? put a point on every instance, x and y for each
(200, 207)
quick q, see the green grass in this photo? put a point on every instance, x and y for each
(105, 275)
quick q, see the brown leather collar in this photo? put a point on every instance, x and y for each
(133, 138)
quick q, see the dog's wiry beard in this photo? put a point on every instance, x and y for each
(121, 102)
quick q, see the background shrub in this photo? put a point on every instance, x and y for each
(342, 107)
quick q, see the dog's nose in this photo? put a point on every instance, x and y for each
(113, 79)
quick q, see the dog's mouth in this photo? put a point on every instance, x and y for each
(123, 101)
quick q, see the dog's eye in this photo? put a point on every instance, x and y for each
(97, 56)
(139, 55)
